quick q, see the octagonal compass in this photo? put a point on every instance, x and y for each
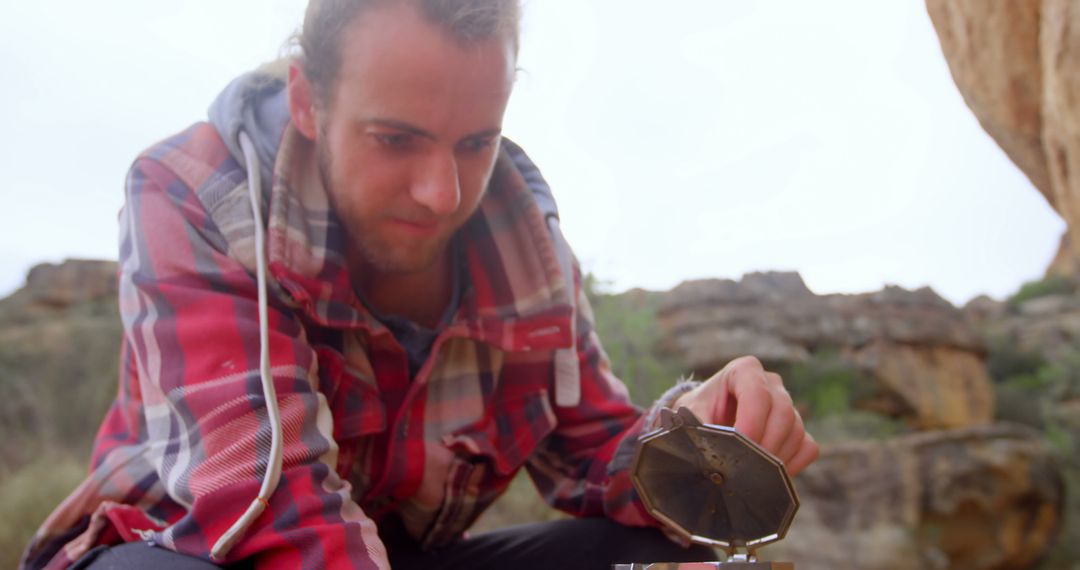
(713, 486)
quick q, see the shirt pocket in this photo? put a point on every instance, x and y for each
(355, 404)
(510, 431)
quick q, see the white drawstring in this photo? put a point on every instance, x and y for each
(273, 467)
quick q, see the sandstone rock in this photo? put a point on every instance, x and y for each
(933, 386)
(977, 498)
(992, 49)
(983, 309)
(1016, 64)
(1060, 47)
(926, 359)
(71, 282)
(1067, 259)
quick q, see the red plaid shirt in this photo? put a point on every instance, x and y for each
(183, 449)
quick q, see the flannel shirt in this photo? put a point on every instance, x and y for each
(182, 451)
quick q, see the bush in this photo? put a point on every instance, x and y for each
(1006, 360)
(825, 385)
(626, 323)
(1050, 285)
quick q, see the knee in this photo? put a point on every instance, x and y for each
(647, 545)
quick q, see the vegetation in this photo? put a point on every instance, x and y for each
(28, 494)
(1046, 396)
(1050, 285)
(627, 325)
(58, 370)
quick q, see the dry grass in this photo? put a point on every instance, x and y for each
(28, 495)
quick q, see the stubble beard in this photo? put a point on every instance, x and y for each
(373, 250)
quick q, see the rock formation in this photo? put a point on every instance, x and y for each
(71, 282)
(1048, 326)
(1017, 64)
(924, 358)
(982, 497)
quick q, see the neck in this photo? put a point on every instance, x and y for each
(420, 296)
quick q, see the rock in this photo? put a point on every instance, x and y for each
(933, 386)
(926, 359)
(73, 281)
(1067, 259)
(1060, 46)
(1016, 64)
(983, 309)
(992, 49)
(1049, 305)
(975, 498)
(1048, 326)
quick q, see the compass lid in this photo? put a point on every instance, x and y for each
(712, 485)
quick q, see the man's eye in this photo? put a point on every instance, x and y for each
(478, 144)
(397, 141)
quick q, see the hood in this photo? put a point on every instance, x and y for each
(256, 103)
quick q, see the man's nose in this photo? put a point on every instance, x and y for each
(436, 185)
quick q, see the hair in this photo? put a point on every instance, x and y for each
(325, 21)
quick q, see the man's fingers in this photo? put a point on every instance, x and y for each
(779, 428)
(754, 403)
(794, 439)
(807, 453)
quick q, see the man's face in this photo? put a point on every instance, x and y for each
(408, 140)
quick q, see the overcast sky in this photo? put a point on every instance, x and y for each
(706, 138)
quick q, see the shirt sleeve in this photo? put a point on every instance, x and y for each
(582, 467)
(190, 316)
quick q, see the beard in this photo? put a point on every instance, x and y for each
(363, 242)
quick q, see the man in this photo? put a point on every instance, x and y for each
(423, 326)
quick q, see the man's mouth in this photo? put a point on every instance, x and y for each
(417, 228)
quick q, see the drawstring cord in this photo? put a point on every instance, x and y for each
(273, 469)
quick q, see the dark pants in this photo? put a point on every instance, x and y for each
(574, 544)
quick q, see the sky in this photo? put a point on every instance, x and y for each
(706, 138)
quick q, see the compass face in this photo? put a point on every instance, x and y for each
(713, 485)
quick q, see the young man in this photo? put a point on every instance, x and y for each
(423, 326)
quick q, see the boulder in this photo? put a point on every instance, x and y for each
(932, 386)
(986, 497)
(1060, 49)
(992, 49)
(1016, 64)
(926, 359)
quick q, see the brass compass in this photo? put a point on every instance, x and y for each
(713, 486)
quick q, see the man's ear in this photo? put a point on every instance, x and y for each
(302, 102)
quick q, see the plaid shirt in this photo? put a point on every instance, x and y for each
(183, 449)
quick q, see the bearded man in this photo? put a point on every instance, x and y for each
(350, 318)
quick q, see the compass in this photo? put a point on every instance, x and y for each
(713, 486)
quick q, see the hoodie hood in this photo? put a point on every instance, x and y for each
(256, 103)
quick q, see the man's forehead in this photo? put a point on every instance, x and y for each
(397, 65)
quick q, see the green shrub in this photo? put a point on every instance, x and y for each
(1006, 360)
(1050, 285)
(825, 385)
(1026, 386)
(626, 323)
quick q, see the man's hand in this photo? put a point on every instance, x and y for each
(755, 403)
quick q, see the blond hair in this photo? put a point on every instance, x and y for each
(325, 21)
